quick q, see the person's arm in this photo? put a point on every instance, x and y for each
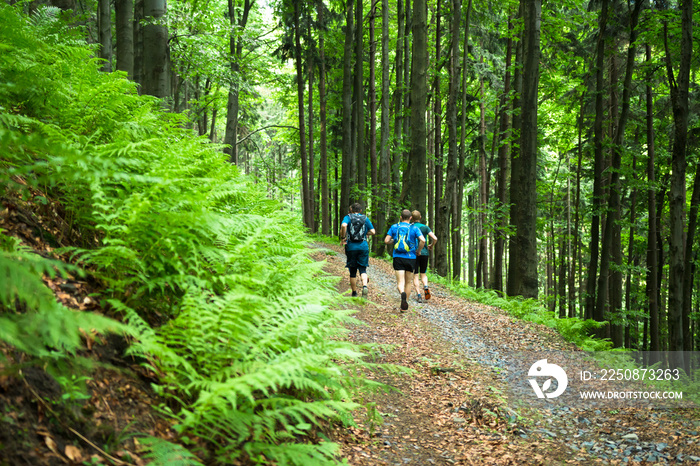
(433, 240)
(421, 238)
(371, 232)
(388, 240)
(343, 229)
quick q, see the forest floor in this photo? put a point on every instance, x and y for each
(452, 409)
(456, 407)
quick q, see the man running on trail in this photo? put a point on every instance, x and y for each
(408, 241)
(353, 233)
(422, 259)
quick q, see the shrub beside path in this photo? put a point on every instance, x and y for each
(453, 409)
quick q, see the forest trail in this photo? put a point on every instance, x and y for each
(454, 408)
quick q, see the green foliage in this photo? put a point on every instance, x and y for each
(249, 352)
(163, 453)
(571, 329)
(30, 318)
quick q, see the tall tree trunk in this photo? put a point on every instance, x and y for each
(515, 162)
(652, 288)
(503, 169)
(305, 189)
(138, 43)
(156, 56)
(591, 311)
(576, 239)
(442, 196)
(348, 175)
(458, 196)
(360, 155)
(397, 146)
(688, 343)
(237, 23)
(325, 199)
(482, 278)
(311, 217)
(524, 181)
(609, 248)
(104, 31)
(677, 194)
(384, 158)
(124, 12)
(419, 95)
(373, 110)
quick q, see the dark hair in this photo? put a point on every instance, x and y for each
(405, 214)
(356, 207)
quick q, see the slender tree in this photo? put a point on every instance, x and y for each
(679, 86)
(419, 95)
(124, 13)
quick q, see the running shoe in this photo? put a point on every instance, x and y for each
(365, 292)
(404, 303)
(419, 298)
(427, 293)
(354, 294)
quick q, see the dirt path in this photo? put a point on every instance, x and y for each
(456, 407)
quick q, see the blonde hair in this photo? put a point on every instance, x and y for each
(416, 216)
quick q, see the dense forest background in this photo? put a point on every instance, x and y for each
(552, 148)
(548, 146)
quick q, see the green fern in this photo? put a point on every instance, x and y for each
(164, 453)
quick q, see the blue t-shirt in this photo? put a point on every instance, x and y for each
(362, 246)
(413, 239)
(425, 230)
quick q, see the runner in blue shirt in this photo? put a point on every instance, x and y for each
(419, 273)
(353, 233)
(408, 241)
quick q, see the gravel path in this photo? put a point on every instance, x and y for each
(490, 338)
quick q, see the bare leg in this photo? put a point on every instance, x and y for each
(416, 282)
(400, 280)
(353, 283)
(365, 279)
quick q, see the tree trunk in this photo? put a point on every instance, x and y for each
(442, 196)
(360, 155)
(156, 56)
(677, 193)
(384, 160)
(325, 199)
(311, 213)
(652, 288)
(503, 170)
(611, 240)
(591, 311)
(305, 190)
(456, 214)
(124, 11)
(104, 31)
(138, 43)
(524, 180)
(372, 97)
(419, 94)
(348, 176)
(689, 272)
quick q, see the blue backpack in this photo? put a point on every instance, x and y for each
(401, 243)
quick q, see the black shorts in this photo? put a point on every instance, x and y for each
(401, 263)
(357, 259)
(421, 264)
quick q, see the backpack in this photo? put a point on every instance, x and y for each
(402, 242)
(356, 229)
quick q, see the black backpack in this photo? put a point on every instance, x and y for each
(356, 229)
